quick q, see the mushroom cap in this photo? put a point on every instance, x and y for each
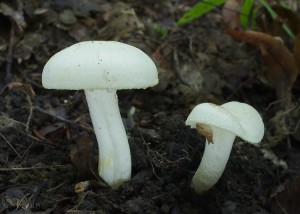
(239, 118)
(99, 65)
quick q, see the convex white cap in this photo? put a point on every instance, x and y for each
(99, 65)
(239, 118)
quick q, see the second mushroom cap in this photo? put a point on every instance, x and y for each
(239, 118)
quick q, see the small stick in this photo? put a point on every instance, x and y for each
(75, 208)
(31, 168)
(62, 119)
(30, 113)
(10, 53)
(10, 145)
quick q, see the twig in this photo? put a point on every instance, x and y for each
(13, 124)
(54, 188)
(273, 103)
(296, 127)
(24, 125)
(11, 146)
(280, 206)
(62, 119)
(236, 89)
(35, 138)
(30, 113)
(22, 199)
(14, 121)
(10, 53)
(32, 168)
(75, 208)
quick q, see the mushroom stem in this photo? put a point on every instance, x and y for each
(214, 160)
(114, 153)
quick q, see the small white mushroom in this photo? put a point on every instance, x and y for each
(220, 125)
(100, 68)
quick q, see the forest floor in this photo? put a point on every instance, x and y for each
(47, 143)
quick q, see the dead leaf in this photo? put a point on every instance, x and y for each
(274, 26)
(287, 198)
(55, 134)
(67, 17)
(284, 122)
(25, 48)
(16, 198)
(82, 156)
(86, 185)
(289, 17)
(82, 7)
(165, 70)
(15, 15)
(47, 15)
(122, 23)
(82, 29)
(280, 62)
(27, 87)
(7, 122)
(231, 13)
(296, 50)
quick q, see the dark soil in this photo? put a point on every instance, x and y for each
(40, 129)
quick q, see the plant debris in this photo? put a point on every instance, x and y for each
(48, 161)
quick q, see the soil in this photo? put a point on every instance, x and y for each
(47, 144)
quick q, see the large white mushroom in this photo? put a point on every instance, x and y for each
(220, 125)
(100, 68)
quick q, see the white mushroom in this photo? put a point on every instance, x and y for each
(220, 125)
(101, 68)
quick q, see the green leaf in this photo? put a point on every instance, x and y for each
(245, 17)
(199, 10)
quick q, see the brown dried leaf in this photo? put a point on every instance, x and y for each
(165, 73)
(296, 50)
(288, 17)
(15, 15)
(67, 17)
(47, 15)
(86, 185)
(27, 87)
(122, 23)
(82, 156)
(15, 197)
(280, 62)
(82, 29)
(55, 134)
(231, 13)
(7, 122)
(287, 197)
(274, 26)
(26, 47)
